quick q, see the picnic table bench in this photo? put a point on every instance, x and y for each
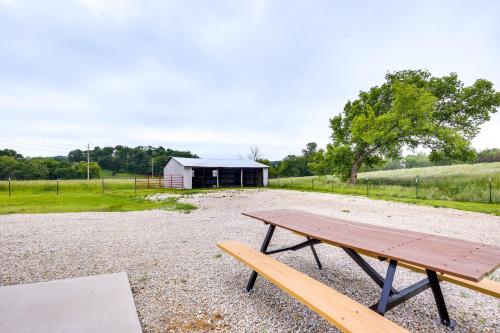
(440, 258)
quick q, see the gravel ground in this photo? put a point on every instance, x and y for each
(182, 282)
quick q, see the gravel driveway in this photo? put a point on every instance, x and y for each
(182, 282)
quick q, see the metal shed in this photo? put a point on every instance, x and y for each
(204, 173)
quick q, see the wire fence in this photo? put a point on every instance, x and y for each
(11, 187)
(460, 188)
(483, 189)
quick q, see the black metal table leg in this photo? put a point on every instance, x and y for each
(263, 249)
(404, 295)
(372, 273)
(386, 290)
(438, 296)
(315, 254)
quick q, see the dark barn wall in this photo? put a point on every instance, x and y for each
(203, 178)
(228, 177)
(252, 177)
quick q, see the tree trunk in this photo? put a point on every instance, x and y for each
(354, 170)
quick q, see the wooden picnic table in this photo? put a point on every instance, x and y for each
(464, 259)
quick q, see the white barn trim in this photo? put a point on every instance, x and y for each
(206, 173)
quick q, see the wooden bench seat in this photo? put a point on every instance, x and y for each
(340, 310)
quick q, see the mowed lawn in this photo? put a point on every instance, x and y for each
(81, 196)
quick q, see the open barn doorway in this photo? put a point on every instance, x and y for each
(227, 177)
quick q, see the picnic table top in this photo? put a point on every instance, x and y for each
(464, 259)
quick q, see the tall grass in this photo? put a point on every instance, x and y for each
(466, 183)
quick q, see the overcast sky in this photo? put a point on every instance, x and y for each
(217, 77)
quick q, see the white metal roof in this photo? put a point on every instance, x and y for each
(217, 163)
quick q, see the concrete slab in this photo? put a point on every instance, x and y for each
(101, 303)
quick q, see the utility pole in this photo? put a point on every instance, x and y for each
(88, 161)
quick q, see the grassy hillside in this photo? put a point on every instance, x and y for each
(481, 169)
(459, 186)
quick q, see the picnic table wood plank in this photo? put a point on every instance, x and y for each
(485, 286)
(463, 259)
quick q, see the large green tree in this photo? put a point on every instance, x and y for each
(411, 108)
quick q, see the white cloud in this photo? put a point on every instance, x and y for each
(217, 77)
(116, 10)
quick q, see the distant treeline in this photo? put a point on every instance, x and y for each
(136, 160)
(139, 160)
(314, 161)
(16, 166)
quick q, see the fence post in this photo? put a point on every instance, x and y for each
(312, 183)
(416, 186)
(9, 186)
(367, 189)
(278, 180)
(489, 182)
(135, 185)
(159, 181)
(332, 184)
(148, 182)
(291, 185)
(57, 187)
(102, 185)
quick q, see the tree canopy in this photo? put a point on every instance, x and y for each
(410, 109)
(18, 167)
(136, 160)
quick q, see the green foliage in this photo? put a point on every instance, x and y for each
(420, 160)
(311, 161)
(136, 160)
(488, 155)
(11, 153)
(16, 166)
(273, 172)
(119, 159)
(319, 164)
(294, 166)
(411, 109)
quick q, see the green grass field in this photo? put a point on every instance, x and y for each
(82, 196)
(463, 187)
(109, 174)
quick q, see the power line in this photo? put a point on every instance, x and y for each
(88, 161)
